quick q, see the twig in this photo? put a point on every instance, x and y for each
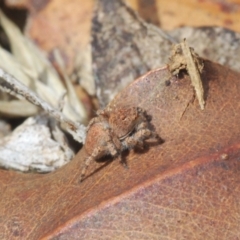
(11, 85)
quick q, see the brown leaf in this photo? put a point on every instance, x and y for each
(170, 14)
(174, 13)
(187, 187)
(59, 24)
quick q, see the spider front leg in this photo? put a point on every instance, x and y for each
(101, 118)
(94, 120)
(98, 153)
(137, 139)
(123, 162)
(144, 126)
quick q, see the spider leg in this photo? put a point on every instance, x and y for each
(99, 119)
(93, 121)
(123, 162)
(144, 126)
(137, 139)
(112, 149)
(88, 160)
(97, 153)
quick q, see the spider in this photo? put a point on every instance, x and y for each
(113, 131)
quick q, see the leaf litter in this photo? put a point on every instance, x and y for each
(39, 144)
(138, 47)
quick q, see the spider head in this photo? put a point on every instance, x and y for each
(124, 120)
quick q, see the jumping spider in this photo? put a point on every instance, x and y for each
(114, 131)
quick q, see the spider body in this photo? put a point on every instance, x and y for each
(114, 131)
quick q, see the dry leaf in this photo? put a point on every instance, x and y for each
(83, 70)
(5, 128)
(187, 185)
(173, 14)
(31, 67)
(170, 14)
(50, 25)
(39, 84)
(11, 108)
(14, 87)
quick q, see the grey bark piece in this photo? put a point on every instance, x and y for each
(123, 48)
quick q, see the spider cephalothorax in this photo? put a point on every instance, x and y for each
(115, 130)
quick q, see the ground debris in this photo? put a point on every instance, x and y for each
(184, 58)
